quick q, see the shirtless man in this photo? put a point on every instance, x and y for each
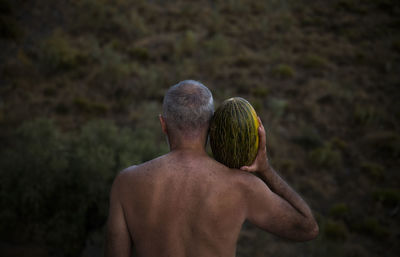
(185, 203)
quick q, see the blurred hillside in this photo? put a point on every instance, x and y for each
(81, 85)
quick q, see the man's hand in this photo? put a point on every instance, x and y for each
(260, 163)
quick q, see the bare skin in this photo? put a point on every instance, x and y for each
(186, 204)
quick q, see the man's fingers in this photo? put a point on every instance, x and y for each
(244, 168)
(262, 136)
(260, 122)
(247, 168)
(261, 154)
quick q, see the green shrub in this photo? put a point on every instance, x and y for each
(370, 227)
(373, 170)
(339, 144)
(260, 91)
(29, 171)
(351, 6)
(89, 107)
(389, 197)
(139, 53)
(235, 6)
(114, 66)
(106, 19)
(308, 138)
(313, 61)
(385, 144)
(284, 165)
(187, 44)
(218, 45)
(283, 71)
(355, 250)
(50, 91)
(57, 53)
(335, 230)
(62, 109)
(326, 157)
(95, 16)
(278, 106)
(137, 23)
(339, 210)
(365, 115)
(55, 185)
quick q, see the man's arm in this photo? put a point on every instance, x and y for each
(273, 205)
(118, 240)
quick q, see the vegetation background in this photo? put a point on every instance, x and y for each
(81, 85)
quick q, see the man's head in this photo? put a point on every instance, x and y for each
(187, 109)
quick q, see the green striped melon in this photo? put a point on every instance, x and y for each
(234, 133)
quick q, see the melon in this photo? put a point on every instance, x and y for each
(234, 133)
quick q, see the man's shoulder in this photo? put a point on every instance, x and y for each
(247, 180)
(132, 176)
(127, 172)
(237, 177)
(135, 169)
(139, 169)
(131, 170)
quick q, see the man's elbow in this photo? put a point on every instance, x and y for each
(307, 231)
(312, 231)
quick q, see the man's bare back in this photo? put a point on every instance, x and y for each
(183, 204)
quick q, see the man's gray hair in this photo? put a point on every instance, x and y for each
(188, 106)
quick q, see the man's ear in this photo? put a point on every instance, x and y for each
(163, 124)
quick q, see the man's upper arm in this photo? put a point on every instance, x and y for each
(118, 240)
(271, 212)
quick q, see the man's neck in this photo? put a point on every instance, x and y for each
(193, 145)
